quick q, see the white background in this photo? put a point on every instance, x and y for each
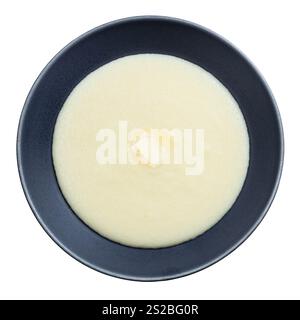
(266, 266)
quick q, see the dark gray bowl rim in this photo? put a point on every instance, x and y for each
(26, 187)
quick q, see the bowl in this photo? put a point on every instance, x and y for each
(163, 35)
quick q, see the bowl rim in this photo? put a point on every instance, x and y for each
(21, 126)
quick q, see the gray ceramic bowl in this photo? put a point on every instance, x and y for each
(148, 35)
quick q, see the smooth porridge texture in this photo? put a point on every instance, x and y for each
(140, 205)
